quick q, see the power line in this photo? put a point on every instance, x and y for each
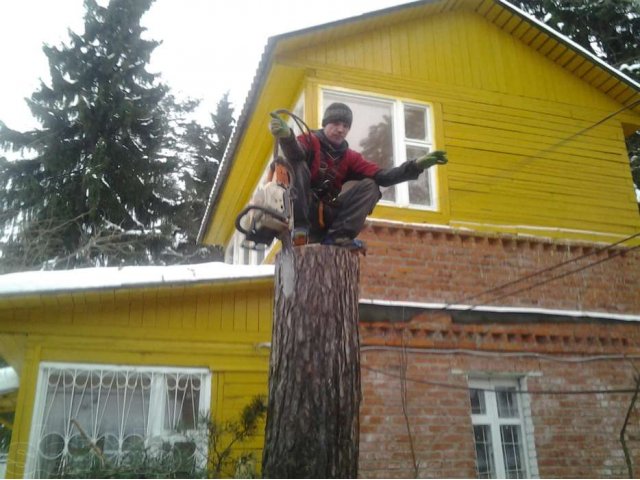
(535, 156)
(442, 311)
(566, 262)
(562, 275)
(503, 355)
(543, 271)
(452, 386)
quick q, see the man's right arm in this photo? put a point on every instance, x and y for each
(291, 148)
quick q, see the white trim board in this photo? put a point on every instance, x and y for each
(502, 309)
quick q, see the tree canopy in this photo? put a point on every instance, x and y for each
(104, 180)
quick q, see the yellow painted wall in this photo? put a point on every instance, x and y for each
(219, 327)
(509, 117)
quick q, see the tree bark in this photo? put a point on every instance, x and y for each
(314, 376)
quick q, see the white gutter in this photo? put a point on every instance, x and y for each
(502, 309)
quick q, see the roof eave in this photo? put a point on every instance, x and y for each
(569, 43)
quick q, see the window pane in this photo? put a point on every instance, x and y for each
(419, 189)
(507, 402)
(477, 401)
(415, 122)
(112, 408)
(512, 451)
(371, 130)
(372, 127)
(484, 451)
(183, 395)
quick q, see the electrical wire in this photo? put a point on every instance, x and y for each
(525, 160)
(442, 312)
(537, 273)
(452, 386)
(501, 355)
(557, 277)
(566, 262)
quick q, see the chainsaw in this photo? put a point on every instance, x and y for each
(269, 214)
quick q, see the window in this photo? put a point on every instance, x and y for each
(116, 411)
(499, 429)
(389, 132)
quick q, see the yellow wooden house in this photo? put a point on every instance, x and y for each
(534, 124)
(115, 357)
(538, 173)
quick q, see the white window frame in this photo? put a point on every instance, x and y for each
(156, 409)
(399, 140)
(494, 421)
(3, 464)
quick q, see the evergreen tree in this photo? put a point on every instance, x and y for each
(99, 185)
(608, 28)
(203, 150)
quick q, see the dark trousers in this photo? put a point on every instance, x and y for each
(343, 217)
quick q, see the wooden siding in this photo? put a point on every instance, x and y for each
(518, 127)
(219, 327)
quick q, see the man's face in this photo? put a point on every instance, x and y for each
(336, 132)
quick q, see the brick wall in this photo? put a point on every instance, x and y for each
(426, 264)
(575, 436)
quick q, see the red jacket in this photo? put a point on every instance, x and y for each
(350, 166)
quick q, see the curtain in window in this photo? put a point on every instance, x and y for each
(96, 414)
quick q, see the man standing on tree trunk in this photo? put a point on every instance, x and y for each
(335, 187)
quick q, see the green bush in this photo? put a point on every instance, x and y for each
(177, 459)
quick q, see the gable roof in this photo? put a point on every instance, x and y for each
(514, 21)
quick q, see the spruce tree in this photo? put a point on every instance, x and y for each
(97, 182)
(608, 28)
(202, 150)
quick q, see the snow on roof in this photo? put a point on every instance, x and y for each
(23, 283)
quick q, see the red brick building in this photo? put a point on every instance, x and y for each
(564, 333)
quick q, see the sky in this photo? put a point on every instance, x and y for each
(209, 46)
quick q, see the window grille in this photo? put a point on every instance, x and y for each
(89, 414)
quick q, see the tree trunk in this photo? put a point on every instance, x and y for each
(314, 377)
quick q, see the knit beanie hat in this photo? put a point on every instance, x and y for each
(337, 112)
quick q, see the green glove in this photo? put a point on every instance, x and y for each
(437, 157)
(278, 127)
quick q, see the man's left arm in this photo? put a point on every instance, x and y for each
(409, 170)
